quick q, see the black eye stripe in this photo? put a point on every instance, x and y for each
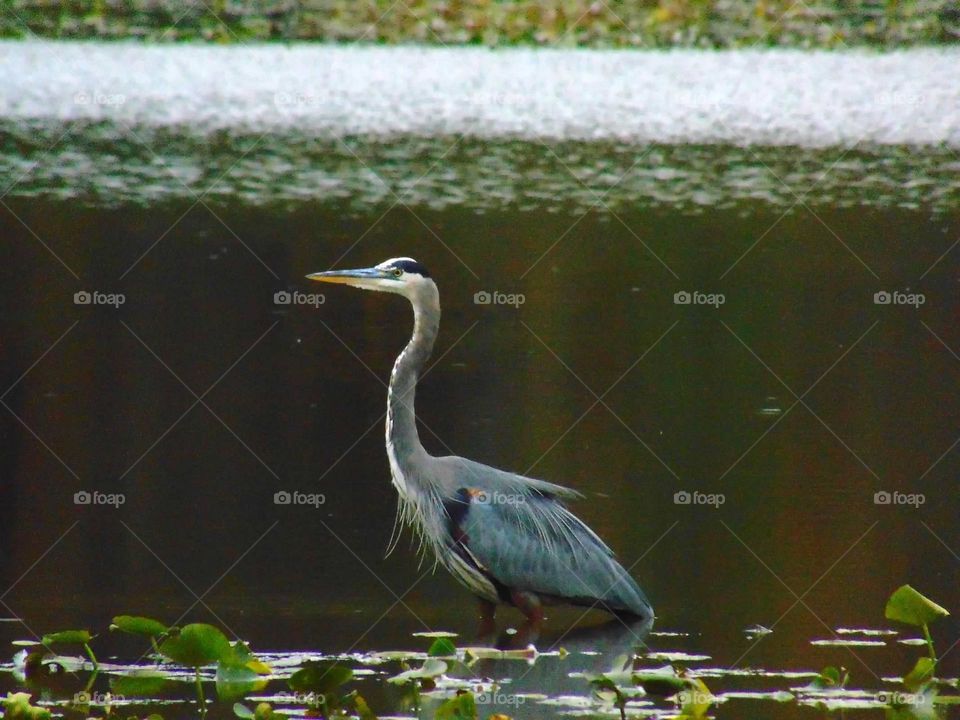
(410, 266)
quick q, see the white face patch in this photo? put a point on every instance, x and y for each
(401, 282)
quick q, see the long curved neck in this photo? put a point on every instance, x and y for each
(403, 441)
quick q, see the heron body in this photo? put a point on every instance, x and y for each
(509, 539)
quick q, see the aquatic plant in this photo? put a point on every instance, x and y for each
(16, 706)
(617, 687)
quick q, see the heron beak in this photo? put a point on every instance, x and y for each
(363, 278)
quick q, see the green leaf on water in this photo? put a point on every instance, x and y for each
(16, 706)
(242, 711)
(696, 699)
(147, 627)
(236, 681)
(830, 678)
(431, 668)
(363, 710)
(906, 605)
(195, 645)
(921, 674)
(143, 684)
(442, 647)
(67, 637)
(660, 684)
(462, 706)
(242, 655)
(319, 677)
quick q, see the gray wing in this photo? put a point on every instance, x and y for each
(526, 539)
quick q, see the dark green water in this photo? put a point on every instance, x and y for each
(693, 398)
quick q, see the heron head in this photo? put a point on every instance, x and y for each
(404, 276)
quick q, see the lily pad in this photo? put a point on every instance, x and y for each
(462, 706)
(431, 668)
(235, 681)
(906, 605)
(320, 677)
(135, 625)
(442, 647)
(921, 674)
(144, 684)
(196, 644)
(67, 637)
(16, 706)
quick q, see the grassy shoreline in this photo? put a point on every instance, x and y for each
(567, 23)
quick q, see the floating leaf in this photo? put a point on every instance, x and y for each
(431, 668)
(906, 605)
(921, 674)
(363, 710)
(462, 706)
(16, 706)
(147, 627)
(696, 699)
(195, 645)
(830, 678)
(319, 677)
(67, 637)
(242, 655)
(236, 681)
(484, 653)
(442, 647)
(660, 683)
(242, 711)
(144, 684)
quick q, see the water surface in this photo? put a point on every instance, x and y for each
(797, 399)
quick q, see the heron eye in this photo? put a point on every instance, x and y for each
(397, 272)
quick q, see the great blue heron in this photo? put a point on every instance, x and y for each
(509, 539)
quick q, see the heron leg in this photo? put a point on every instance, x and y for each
(529, 604)
(488, 624)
